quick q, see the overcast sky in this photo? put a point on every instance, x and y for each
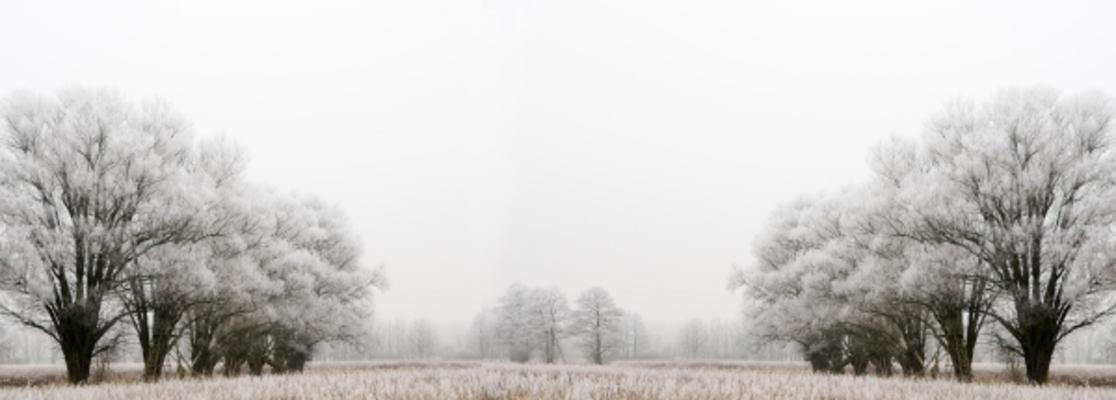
(634, 145)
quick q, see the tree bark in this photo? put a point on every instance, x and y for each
(155, 320)
(959, 324)
(1037, 334)
(78, 333)
(958, 340)
(912, 350)
(203, 357)
(161, 341)
(882, 364)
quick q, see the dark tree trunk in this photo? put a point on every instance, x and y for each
(155, 321)
(1037, 360)
(858, 354)
(960, 322)
(912, 350)
(290, 360)
(882, 364)
(161, 341)
(204, 362)
(232, 366)
(256, 352)
(959, 340)
(203, 357)
(1038, 337)
(256, 365)
(297, 364)
(827, 356)
(77, 349)
(818, 361)
(859, 366)
(78, 334)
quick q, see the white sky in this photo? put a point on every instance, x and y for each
(634, 145)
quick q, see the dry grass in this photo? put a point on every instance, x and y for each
(1061, 374)
(506, 381)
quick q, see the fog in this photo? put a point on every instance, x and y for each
(633, 145)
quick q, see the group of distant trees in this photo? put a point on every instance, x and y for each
(402, 339)
(541, 339)
(113, 215)
(1003, 213)
(533, 323)
(714, 340)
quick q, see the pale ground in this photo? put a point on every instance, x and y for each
(624, 381)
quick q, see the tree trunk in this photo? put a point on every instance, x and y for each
(1038, 364)
(256, 365)
(912, 353)
(155, 321)
(1038, 342)
(960, 323)
(232, 365)
(818, 361)
(203, 358)
(548, 348)
(204, 362)
(79, 357)
(953, 339)
(882, 364)
(827, 355)
(858, 353)
(598, 346)
(78, 334)
(1037, 333)
(859, 366)
(160, 342)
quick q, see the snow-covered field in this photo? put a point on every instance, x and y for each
(508, 381)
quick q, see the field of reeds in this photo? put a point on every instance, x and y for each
(658, 380)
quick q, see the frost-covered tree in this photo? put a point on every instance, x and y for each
(89, 184)
(240, 286)
(167, 282)
(481, 336)
(635, 337)
(530, 320)
(826, 283)
(514, 330)
(724, 338)
(549, 314)
(693, 339)
(1004, 211)
(422, 339)
(790, 288)
(390, 338)
(1025, 184)
(841, 276)
(597, 323)
(315, 288)
(111, 211)
(945, 282)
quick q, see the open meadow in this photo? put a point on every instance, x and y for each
(623, 381)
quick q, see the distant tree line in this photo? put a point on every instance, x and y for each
(535, 323)
(716, 339)
(1003, 213)
(112, 214)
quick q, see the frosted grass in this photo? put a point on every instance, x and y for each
(508, 381)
